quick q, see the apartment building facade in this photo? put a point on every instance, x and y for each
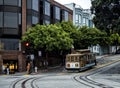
(15, 17)
(81, 17)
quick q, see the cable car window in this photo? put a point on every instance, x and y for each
(68, 59)
(81, 58)
(72, 58)
(76, 58)
(84, 57)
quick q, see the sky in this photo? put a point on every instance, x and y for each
(85, 4)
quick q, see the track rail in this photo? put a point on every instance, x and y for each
(26, 82)
(82, 79)
(21, 83)
(79, 81)
(85, 80)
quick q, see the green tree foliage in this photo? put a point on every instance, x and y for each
(62, 36)
(107, 15)
(92, 36)
(115, 39)
(49, 38)
(75, 34)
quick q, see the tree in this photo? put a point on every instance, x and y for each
(48, 38)
(92, 36)
(107, 15)
(115, 39)
(73, 31)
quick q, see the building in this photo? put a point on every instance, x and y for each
(81, 17)
(15, 17)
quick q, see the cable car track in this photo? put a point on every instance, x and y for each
(81, 79)
(89, 82)
(85, 80)
(13, 85)
(25, 82)
(21, 83)
(75, 78)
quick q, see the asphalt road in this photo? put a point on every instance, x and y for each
(103, 75)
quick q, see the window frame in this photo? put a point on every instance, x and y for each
(56, 14)
(1, 23)
(46, 8)
(6, 20)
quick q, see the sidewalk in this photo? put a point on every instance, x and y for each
(102, 56)
(41, 71)
(49, 69)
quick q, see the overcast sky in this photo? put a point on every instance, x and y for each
(85, 4)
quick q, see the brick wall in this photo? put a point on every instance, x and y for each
(13, 55)
(23, 17)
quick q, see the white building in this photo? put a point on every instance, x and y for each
(83, 17)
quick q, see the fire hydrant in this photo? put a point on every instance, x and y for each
(36, 69)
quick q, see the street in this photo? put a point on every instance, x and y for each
(104, 75)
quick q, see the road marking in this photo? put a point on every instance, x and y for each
(26, 75)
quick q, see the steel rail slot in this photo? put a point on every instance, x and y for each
(13, 85)
(82, 82)
(24, 82)
(98, 70)
(86, 79)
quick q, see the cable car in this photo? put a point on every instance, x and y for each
(80, 60)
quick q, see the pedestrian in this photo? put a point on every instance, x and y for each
(28, 68)
(7, 69)
(31, 66)
(45, 65)
(36, 69)
(3, 69)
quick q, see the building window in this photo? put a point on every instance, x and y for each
(34, 20)
(46, 22)
(87, 22)
(19, 18)
(1, 19)
(47, 8)
(97, 48)
(66, 16)
(20, 3)
(84, 20)
(57, 13)
(1, 2)
(10, 2)
(29, 20)
(35, 5)
(29, 4)
(9, 44)
(76, 18)
(10, 20)
(80, 19)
